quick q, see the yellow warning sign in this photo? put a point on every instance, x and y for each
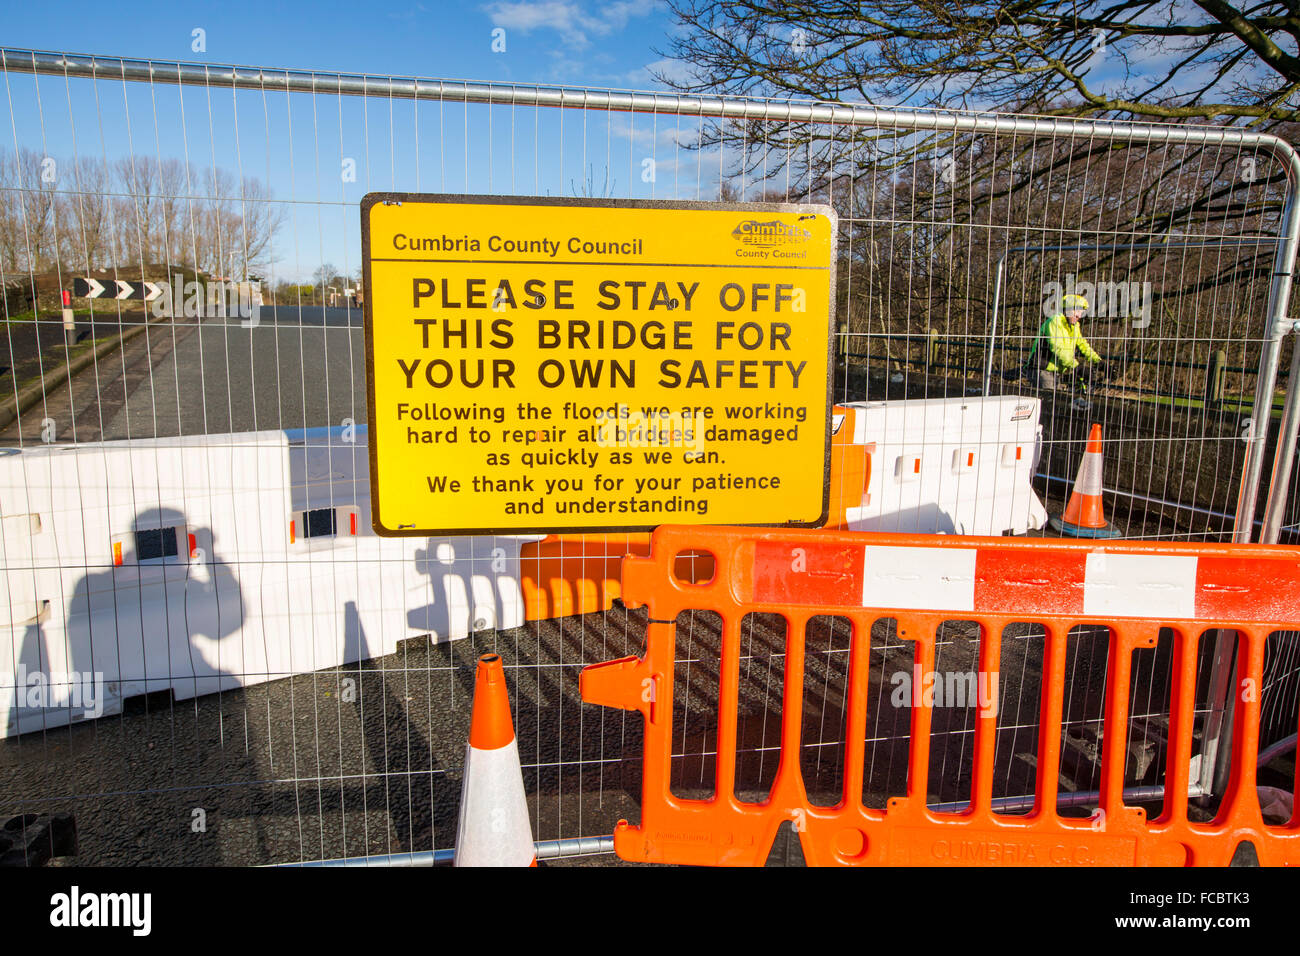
(569, 365)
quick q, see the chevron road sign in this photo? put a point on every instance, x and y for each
(115, 289)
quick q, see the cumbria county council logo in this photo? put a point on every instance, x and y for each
(768, 234)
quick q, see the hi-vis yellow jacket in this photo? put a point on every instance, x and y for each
(1062, 337)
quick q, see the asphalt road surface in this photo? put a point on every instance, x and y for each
(366, 760)
(295, 368)
(362, 760)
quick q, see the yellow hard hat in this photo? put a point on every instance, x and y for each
(1071, 302)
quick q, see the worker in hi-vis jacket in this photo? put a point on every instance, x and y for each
(1057, 340)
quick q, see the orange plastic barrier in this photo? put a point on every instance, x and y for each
(850, 469)
(1134, 588)
(567, 574)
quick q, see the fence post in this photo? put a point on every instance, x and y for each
(1215, 373)
(932, 350)
(843, 343)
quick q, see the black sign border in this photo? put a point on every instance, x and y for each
(371, 200)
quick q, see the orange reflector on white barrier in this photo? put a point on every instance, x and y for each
(963, 460)
(907, 467)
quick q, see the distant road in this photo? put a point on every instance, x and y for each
(297, 368)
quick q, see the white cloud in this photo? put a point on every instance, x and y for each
(565, 68)
(569, 18)
(647, 77)
(661, 137)
(409, 15)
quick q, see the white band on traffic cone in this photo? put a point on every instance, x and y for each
(494, 828)
(1089, 480)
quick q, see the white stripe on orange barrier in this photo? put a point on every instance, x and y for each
(941, 579)
(1140, 585)
(1071, 582)
(1097, 583)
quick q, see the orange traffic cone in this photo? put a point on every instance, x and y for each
(1084, 516)
(494, 828)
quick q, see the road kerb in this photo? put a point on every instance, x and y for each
(12, 408)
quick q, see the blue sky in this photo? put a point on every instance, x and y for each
(302, 146)
(547, 41)
(320, 154)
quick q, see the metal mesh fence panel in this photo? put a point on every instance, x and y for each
(184, 443)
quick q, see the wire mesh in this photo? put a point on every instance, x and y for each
(238, 190)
